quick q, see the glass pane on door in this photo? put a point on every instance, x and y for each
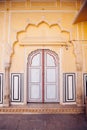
(50, 60)
(36, 60)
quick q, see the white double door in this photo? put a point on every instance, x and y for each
(43, 76)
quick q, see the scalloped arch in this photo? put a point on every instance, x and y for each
(49, 24)
(37, 24)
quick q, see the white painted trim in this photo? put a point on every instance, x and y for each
(1, 105)
(1, 88)
(67, 98)
(69, 103)
(25, 76)
(12, 85)
(84, 86)
(60, 76)
(17, 103)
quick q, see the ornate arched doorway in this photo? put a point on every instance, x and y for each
(43, 76)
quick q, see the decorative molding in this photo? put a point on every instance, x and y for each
(1, 88)
(16, 4)
(69, 95)
(26, 40)
(43, 11)
(43, 110)
(16, 81)
(44, 40)
(15, 88)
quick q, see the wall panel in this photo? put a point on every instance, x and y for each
(1, 88)
(69, 87)
(16, 87)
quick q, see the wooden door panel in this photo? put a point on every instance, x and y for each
(51, 92)
(50, 82)
(43, 73)
(35, 75)
(50, 75)
(35, 78)
(35, 92)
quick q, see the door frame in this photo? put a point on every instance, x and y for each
(55, 55)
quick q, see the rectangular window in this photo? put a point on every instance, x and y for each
(1, 88)
(16, 87)
(69, 87)
(85, 86)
